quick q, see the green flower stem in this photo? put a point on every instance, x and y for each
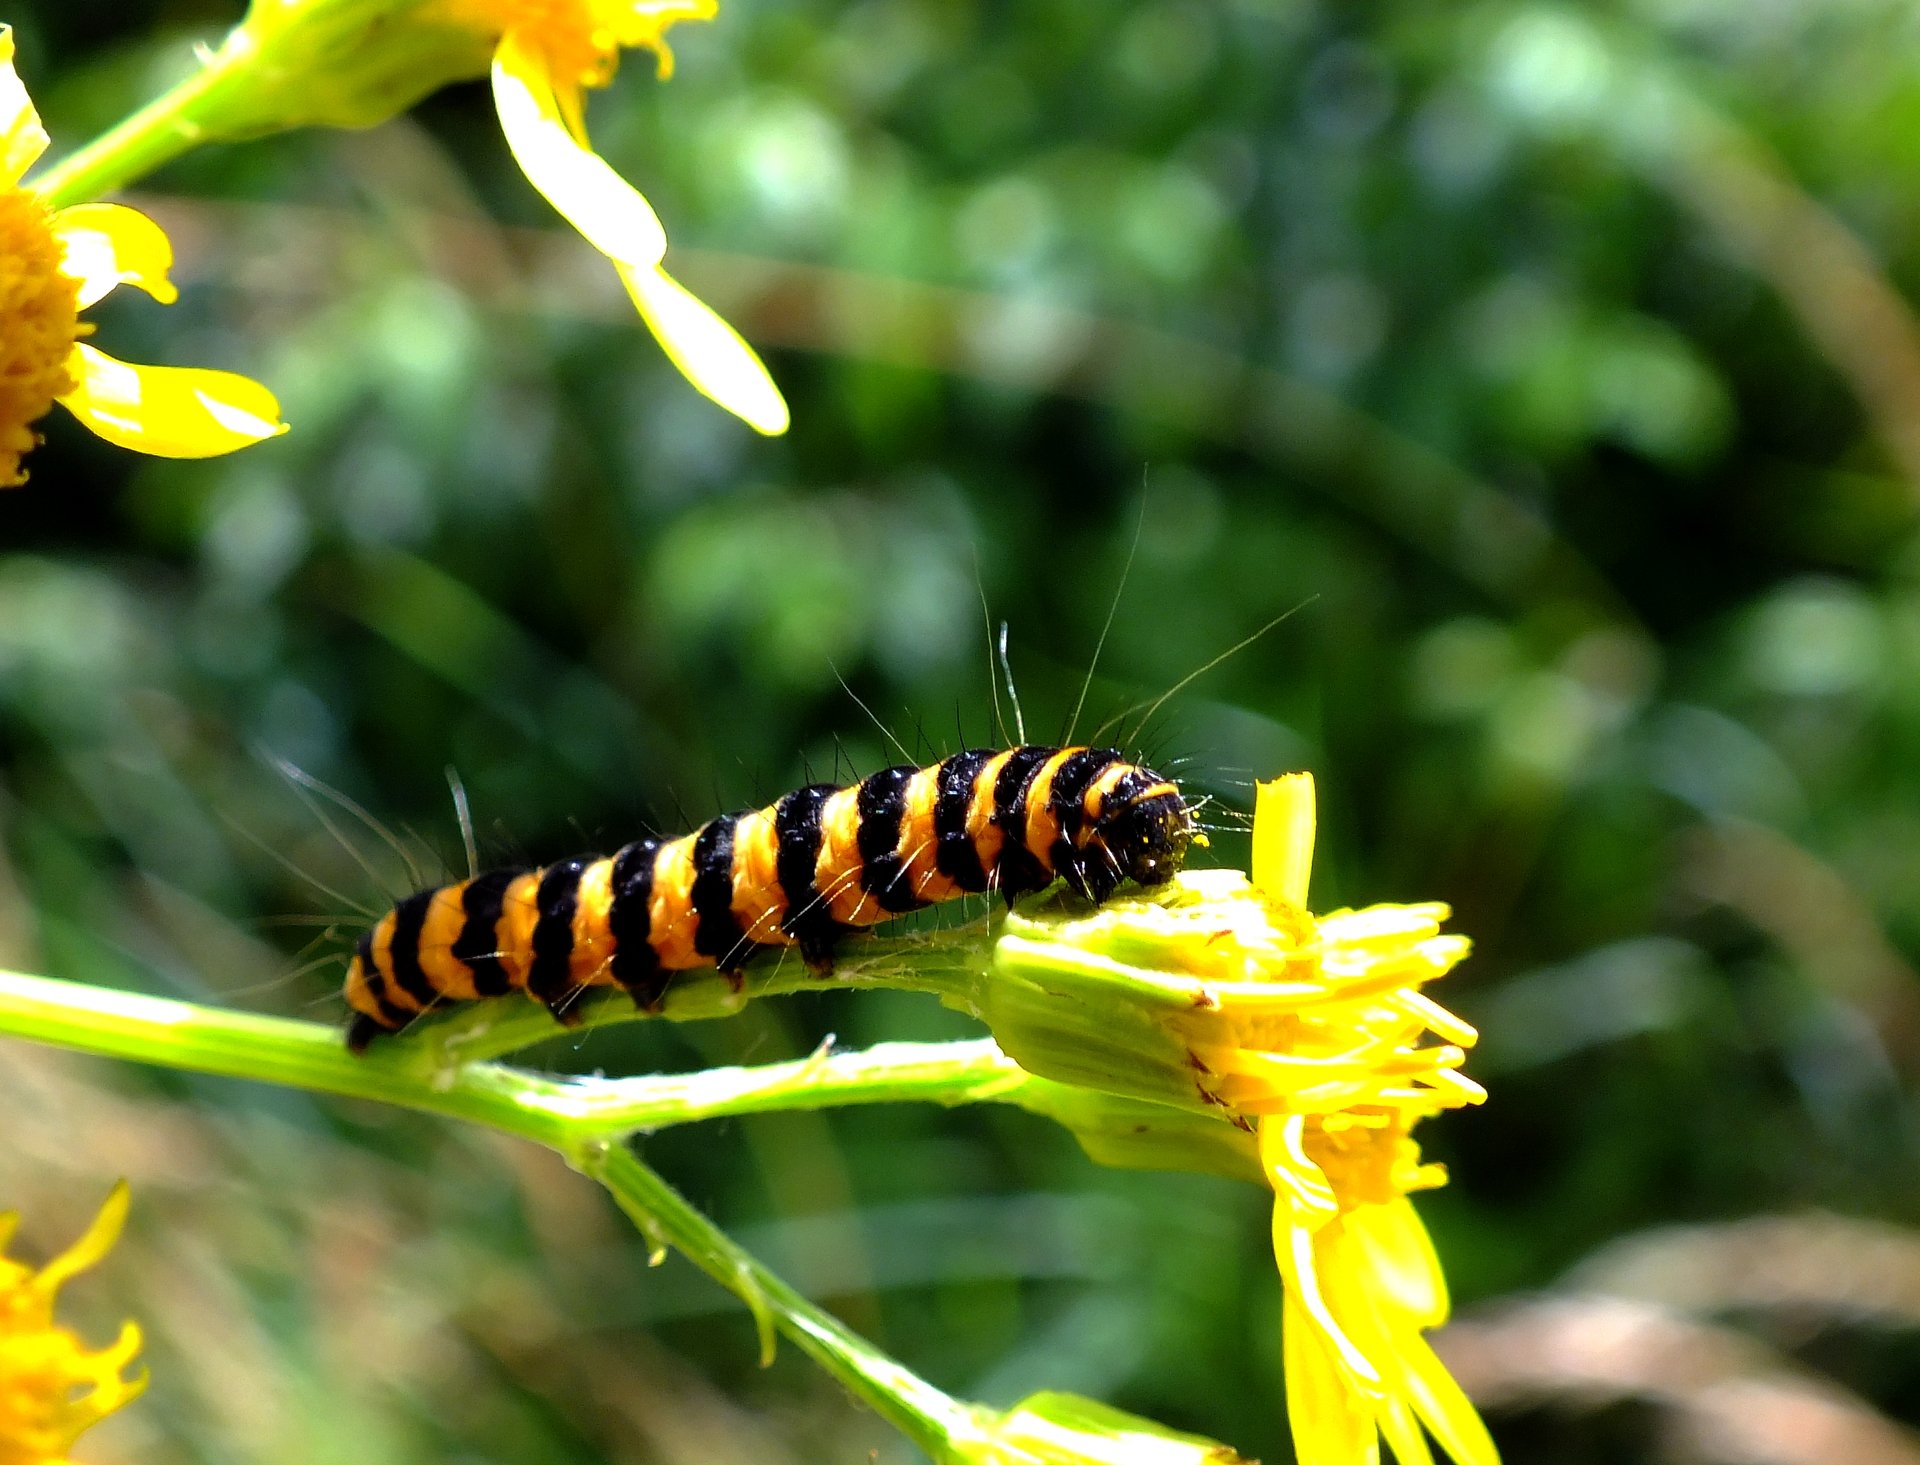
(560, 1112)
(942, 1073)
(581, 1118)
(586, 1119)
(173, 123)
(938, 1423)
(291, 63)
(171, 1034)
(945, 963)
(568, 1113)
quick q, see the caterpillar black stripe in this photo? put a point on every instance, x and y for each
(824, 860)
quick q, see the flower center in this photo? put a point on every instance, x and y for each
(38, 323)
(1368, 1158)
(582, 39)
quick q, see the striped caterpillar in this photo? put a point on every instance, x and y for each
(821, 861)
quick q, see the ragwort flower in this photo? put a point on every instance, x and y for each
(1229, 995)
(547, 53)
(56, 263)
(355, 63)
(53, 1389)
(1361, 1276)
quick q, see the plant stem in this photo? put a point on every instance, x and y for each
(158, 133)
(933, 1420)
(941, 1073)
(171, 1034)
(944, 963)
(554, 1111)
(581, 1118)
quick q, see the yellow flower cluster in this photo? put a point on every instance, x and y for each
(548, 53)
(56, 263)
(1227, 993)
(545, 56)
(52, 1388)
(580, 39)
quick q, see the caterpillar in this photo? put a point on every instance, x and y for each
(803, 871)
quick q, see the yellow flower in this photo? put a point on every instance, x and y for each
(53, 265)
(1361, 1277)
(52, 1390)
(1226, 994)
(546, 54)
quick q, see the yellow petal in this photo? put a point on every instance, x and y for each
(1384, 925)
(1300, 1187)
(609, 212)
(708, 351)
(1401, 1426)
(109, 244)
(1409, 1368)
(1400, 1255)
(118, 1354)
(22, 138)
(1301, 1276)
(94, 1243)
(1331, 1425)
(1444, 1406)
(169, 411)
(1283, 839)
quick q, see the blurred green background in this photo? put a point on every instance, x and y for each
(1558, 362)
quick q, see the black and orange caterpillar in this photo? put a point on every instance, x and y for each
(821, 861)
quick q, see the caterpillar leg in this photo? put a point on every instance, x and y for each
(1090, 874)
(565, 1007)
(362, 1031)
(729, 965)
(817, 952)
(1019, 873)
(650, 995)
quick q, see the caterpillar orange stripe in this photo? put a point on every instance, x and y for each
(821, 861)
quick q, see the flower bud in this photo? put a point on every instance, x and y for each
(1065, 1429)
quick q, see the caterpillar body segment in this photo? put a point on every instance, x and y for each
(821, 861)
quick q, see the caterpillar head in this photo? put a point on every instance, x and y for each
(1140, 833)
